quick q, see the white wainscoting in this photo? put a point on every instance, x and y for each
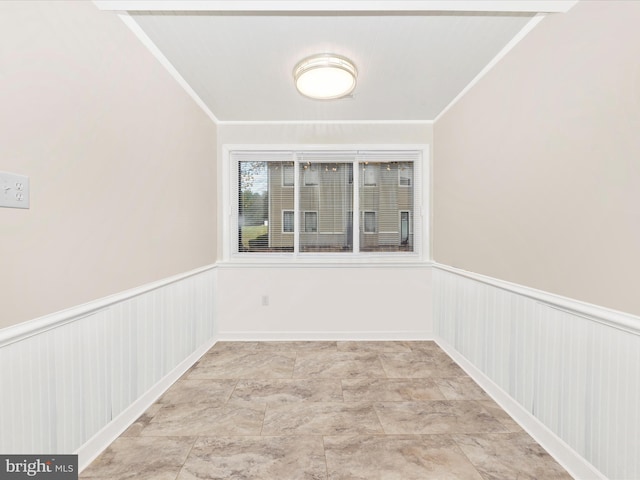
(324, 301)
(574, 367)
(68, 378)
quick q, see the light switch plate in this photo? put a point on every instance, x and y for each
(14, 190)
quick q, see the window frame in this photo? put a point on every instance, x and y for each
(229, 190)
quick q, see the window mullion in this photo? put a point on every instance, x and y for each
(356, 206)
(296, 205)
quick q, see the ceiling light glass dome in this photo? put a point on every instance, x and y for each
(325, 76)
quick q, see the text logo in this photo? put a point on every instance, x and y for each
(49, 467)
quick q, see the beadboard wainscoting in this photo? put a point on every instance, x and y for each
(324, 301)
(572, 369)
(74, 380)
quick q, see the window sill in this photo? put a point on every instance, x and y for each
(326, 260)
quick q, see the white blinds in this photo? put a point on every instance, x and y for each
(265, 204)
(304, 201)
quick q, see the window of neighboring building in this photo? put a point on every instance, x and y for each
(310, 222)
(287, 221)
(321, 190)
(370, 174)
(405, 228)
(287, 175)
(405, 174)
(369, 222)
(310, 174)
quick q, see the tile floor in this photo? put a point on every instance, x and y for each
(325, 411)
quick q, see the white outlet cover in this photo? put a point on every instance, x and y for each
(14, 190)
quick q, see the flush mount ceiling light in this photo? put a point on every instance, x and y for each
(325, 77)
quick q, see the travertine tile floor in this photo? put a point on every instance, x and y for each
(325, 411)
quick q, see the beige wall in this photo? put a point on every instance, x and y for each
(537, 168)
(121, 161)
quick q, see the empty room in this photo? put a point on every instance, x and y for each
(320, 239)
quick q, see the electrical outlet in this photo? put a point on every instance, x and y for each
(14, 190)
(265, 300)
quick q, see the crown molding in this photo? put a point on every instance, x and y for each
(164, 61)
(363, 6)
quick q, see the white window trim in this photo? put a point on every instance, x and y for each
(227, 207)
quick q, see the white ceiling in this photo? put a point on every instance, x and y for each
(411, 64)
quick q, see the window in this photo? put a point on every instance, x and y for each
(310, 222)
(405, 174)
(263, 222)
(310, 174)
(287, 221)
(325, 205)
(405, 228)
(320, 202)
(369, 222)
(381, 205)
(369, 173)
(287, 175)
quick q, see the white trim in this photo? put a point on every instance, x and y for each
(21, 331)
(296, 202)
(315, 335)
(93, 447)
(574, 463)
(346, 148)
(250, 123)
(164, 61)
(612, 318)
(338, 5)
(489, 66)
(368, 262)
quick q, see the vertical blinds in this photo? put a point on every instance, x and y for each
(304, 202)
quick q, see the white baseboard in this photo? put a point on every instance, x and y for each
(571, 461)
(302, 335)
(90, 450)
